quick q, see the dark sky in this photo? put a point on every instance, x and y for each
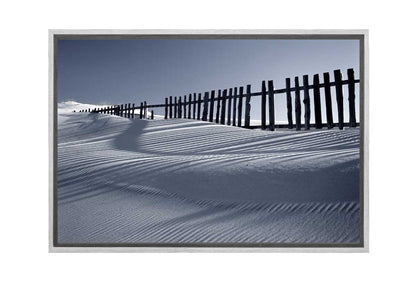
(122, 71)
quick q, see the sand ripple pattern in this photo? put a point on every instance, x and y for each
(186, 181)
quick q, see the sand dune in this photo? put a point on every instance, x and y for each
(187, 181)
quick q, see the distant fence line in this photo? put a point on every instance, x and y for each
(231, 101)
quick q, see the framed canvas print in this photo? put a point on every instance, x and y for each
(208, 140)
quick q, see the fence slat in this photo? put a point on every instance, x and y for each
(166, 108)
(223, 104)
(351, 97)
(170, 107)
(180, 107)
(199, 106)
(289, 104)
(298, 109)
(328, 101)
(205, 111)
(240, 106)
(129, 111)
(175, 108)
(189, 107)
(132, 111)
(145, 110)
(152, 115)
(248, 107)
(217, 116)
(194, 106)
(271, 105)
(184, 106)
(211, 106)
(307, 102)
(263, 105)
(230, 97)
(340, 98)
(234, 106)
(121, 110)
(317, 102)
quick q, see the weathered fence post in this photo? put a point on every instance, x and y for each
(199, 106)
(289, 104)
(152, 115)
(223, 105)
(189, 107)
(132, 111)
(328, 101)
(180, 107)
(184, 106)
(240, 106)
(176, 108)
(307, 102)
(298, 108)
(128, 112)
(194, 106)
(217, 116)
(166, 108)
(145, 110)
(317, 102)
(248, 107)
(263, 105)
(234, 106)
(351, 97)
(340, 98)
(121, 110)
(141, 110)
(170, 107)
(271, 105)
(205, 111)
(230, 97)
(211, 106)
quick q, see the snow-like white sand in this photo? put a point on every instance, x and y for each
(186, 181)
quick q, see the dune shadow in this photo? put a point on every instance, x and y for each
(130, 139)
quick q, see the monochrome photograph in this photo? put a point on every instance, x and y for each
(208, 140)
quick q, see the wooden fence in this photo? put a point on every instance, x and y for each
(231, 101)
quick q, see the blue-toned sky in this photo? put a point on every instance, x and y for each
(122, 71)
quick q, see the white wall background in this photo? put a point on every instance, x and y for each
(24, 147)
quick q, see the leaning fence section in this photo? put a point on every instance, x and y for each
(225, 106)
